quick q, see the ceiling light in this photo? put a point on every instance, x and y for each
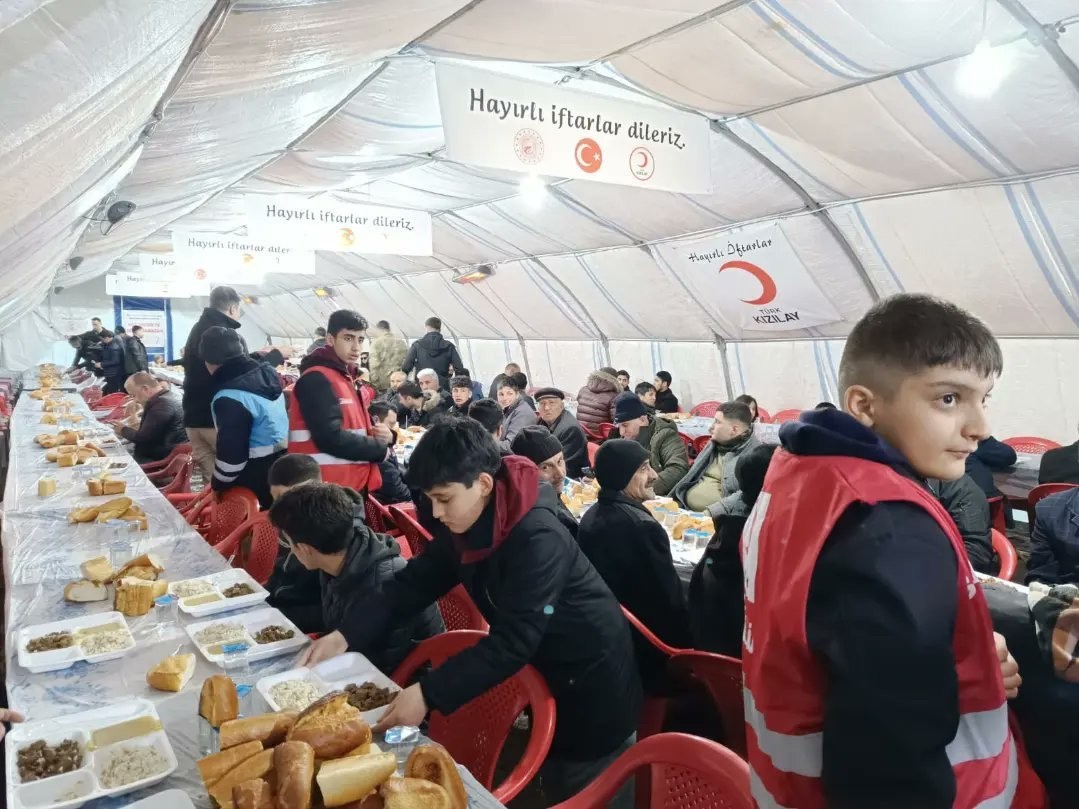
(480, 273)
(324, 292)
(532, 189)
(981, 73)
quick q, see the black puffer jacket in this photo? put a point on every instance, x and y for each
(545, 603)
(134, 356)
(160, 430)
(595, 401)
(966, 502)
(716, 609)
(435, 352)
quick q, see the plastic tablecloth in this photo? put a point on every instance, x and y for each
(169, 375)
(42, 552)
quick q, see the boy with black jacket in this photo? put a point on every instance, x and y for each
(496, 532)
(872, 673)
(324, 526)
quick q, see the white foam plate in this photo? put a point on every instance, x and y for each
(252, 622)
(220, 582)
(168, 799)
(332, 675)
(39, 662)
(79, 786)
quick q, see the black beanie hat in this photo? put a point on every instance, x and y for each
(538, 444)
(218, 345)
(617, 461)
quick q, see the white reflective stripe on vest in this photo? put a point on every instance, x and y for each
(262, 452)
(799, 754)
(305, 435)
(322, 459)
(761, 796)
(1007, 795)
(981, 734)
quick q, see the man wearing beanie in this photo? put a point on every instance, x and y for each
(248, 410)
(632, 552)
(543, 449)
(666, 451)
(552, 413)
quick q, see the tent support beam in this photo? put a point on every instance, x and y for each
(1044, 35)
(811, 205)
(725, 364)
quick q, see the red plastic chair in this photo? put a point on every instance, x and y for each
(783, 416)
(476, 732)
(415, 534)
(262, 550)
(591, 434)
(1039, 493)
(606, 429)
(118, 413)
(762, 414)
(1009, 560)
(1031, 445)
(237, 506)
(154, 466)
(195, 507)
(706, 409)
(722, 678)
(700, 442)
(459, 611)
(377, 515)
(593, 448)
(402, 547)
(685, 772)
(654, 710)
(178, 474)
(112, 400)
(691, 450)
(996, 513)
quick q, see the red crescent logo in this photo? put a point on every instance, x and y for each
(768, 286)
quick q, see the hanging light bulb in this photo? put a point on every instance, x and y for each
(532, 189)
(982, 72)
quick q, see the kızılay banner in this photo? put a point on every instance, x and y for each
(753, 277)
(233, 259)
(504, 122)
(337, 226)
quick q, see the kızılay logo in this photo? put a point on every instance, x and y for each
(768, 285)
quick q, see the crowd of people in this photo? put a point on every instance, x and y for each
(873, 674)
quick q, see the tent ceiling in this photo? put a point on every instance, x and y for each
(845, 120)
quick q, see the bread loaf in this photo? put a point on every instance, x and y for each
(97, 570)
(103, 485)
(172, 673)
(111, 510)
(268, 728)
(135, 597)
(46, 487)
(431, 762)
(294, 766)
(331, 726)
(218, 701)
(413, 793)
(253, 794)
(351, 779)
(258, 766)
(82, 591)
(214, 767)
(146, 562)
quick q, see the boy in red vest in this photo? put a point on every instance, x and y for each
(328, 417)
(873, 677)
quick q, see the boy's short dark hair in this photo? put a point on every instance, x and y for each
(378, 410)
(825, 406)
(433, 323)
(907, 334)
(750, 470)
(488, 413)
(321, 515)
(460, 381)
(746, 399)
(456, 450)
(136, 328)
(464, 372)
(644, 387)
(665, 376)
(383, 324)
(221, 298)
(95, 320)
(410, 389)
(606, 369)
(737, 411)
(320, 332)
(289, 470)
(346, 319)
(510, 382)
(520, 380)
(75, 341)
(623, 373)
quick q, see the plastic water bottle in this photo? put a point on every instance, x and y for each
(119, 543)
(401, 739)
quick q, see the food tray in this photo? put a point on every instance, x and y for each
(79, 786)
(252, 622)
(39, 662)
(221, 581)
(168, 799)
(332, 675)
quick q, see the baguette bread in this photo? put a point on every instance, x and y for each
(82, 591)
(431, 762)
(218, 701)
(259, 765)
(253, 794)
(147, 560)
(351, 779)
(331, 726)
(172, 673)
(135, 597)
(268, 728)
(98, 487)
(111, 510)
(294, 764)
(413, 793)
(214, 767)
(98, 570)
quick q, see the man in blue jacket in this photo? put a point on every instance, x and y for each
(249, 414)
(1054, 540)
(112, 363)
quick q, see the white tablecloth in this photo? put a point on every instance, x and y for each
(42, 552)
(168, 374)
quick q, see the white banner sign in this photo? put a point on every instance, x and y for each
(153, 322)
(504, 122)
(135, 283)
(330, 225)
(753, 277)
(231, 259)
(185, 279)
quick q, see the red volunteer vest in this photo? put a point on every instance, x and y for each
(358, 475)
(785, 684)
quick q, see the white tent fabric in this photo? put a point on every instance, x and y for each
(853, 124)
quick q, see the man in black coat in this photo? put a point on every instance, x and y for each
(543, 449)
(112, 363)
(551, 409)
(135, 352)
(224, 310)
(162, 426)
(435, 352)
(632, 552)
(496, 531)
(324, 525)
(1060, 465)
